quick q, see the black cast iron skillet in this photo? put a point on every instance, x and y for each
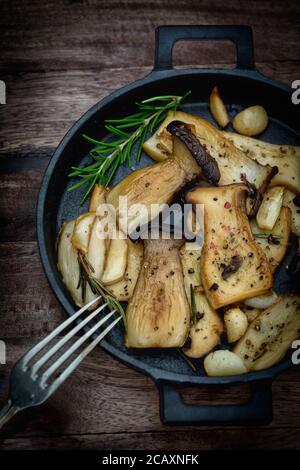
(240, 87)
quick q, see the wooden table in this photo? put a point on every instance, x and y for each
(58, 58)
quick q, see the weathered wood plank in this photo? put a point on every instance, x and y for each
(42, 36)
(18, 198)
(28, 307)
(251, 438)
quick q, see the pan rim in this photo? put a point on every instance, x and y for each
(154, 372)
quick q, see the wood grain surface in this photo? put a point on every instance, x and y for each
(58, 58)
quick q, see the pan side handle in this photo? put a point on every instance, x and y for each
(258, 410)
(166, 36)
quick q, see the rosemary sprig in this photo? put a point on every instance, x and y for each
(128, 132)
(97, 287)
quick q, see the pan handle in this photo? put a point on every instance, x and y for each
(166, 36)
(257, 411)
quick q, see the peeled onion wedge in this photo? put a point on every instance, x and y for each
(236, 323)
(270, 208)
(218, 109)
(262, 301)
(116, 261)
(223, 363)
(81, 232)
(251, 121)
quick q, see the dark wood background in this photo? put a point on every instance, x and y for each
(58, 58)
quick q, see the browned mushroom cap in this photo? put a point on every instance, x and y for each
(206, 162)
(257, 194)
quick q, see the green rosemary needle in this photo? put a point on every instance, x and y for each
(187, 360)
(97, 287)
(128, 132)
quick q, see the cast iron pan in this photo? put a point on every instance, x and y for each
(240, 87)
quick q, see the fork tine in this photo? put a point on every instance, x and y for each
(30, 354)
(7, 412)
(64, 375)
(35, 368)
(72, 349)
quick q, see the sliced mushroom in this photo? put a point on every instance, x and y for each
(123, 289)
(81, 232)
(190, 259)
(228, 235)
(289, 201)
(271, 334)
(96, 256)
(116, 259)
(285, 157)
(149, 188)
(274, 242)
(205, 330)
(207, 163)
(231, 160)
(68, 262)
(158, 314)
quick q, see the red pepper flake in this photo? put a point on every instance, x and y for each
(227, 205)
(227, 228)
(212, 246)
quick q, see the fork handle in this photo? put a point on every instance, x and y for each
(7, 412)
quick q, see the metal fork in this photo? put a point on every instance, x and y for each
(28, 387)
